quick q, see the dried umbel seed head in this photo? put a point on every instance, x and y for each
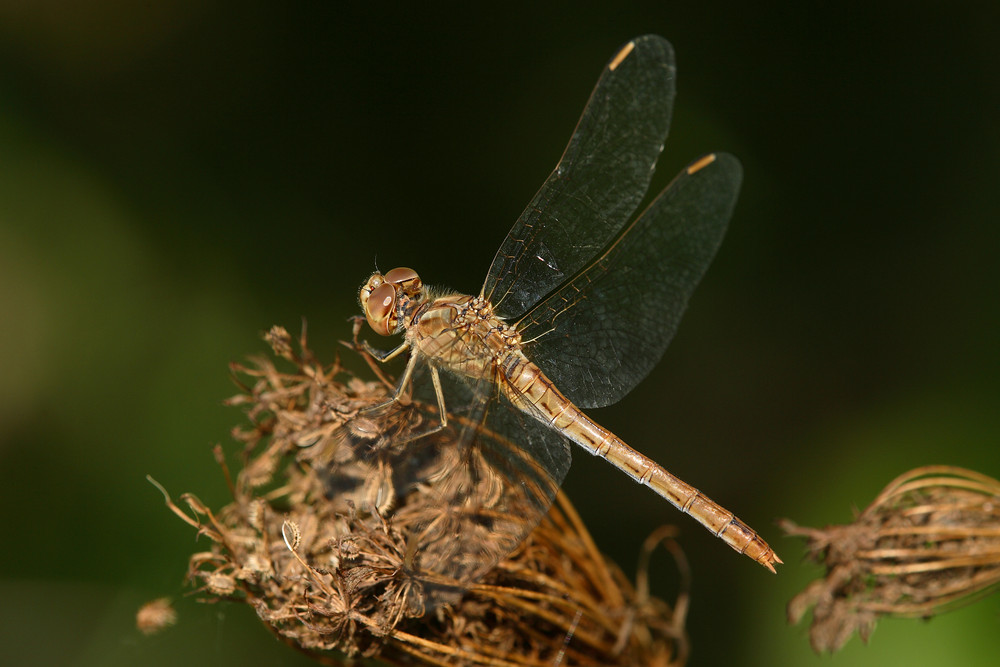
(928, 543)
(336, 568)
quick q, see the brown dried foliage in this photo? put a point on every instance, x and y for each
(929, 542)
(333, 579)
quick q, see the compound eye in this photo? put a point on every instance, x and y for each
(374, 281)
(380, 309)
(404, 277)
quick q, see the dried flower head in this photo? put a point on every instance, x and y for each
(357, 529)
(155, 615)
(929, 542)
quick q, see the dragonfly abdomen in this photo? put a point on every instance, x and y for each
(532, 392)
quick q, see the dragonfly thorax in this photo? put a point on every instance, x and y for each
(390, 301)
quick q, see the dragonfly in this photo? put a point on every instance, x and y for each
(578, 306)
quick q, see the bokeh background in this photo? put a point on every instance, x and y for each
(177, 176)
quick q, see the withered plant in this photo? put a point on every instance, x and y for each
(929, 542)
(358, 528)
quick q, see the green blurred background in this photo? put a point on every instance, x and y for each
(176, 178)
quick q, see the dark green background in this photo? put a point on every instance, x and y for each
(175, 179)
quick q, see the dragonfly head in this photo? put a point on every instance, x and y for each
(389, 300)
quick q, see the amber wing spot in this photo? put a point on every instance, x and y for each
(700, 164)
(622, 55)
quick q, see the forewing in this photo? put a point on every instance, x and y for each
(598, 183)
(605, 329)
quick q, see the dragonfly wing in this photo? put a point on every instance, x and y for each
(464, 496)
(605, 328)
(497, 475)
(597, 185)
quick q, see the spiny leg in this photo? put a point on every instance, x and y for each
(436, 379)
(383, 356)
(405, 381)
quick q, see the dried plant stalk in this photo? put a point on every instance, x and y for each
(929, 542)
(356, 564)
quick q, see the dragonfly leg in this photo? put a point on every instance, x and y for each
(436, 379)
(404, 383)
(385, 355)
(397, 396)
(438, 392)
